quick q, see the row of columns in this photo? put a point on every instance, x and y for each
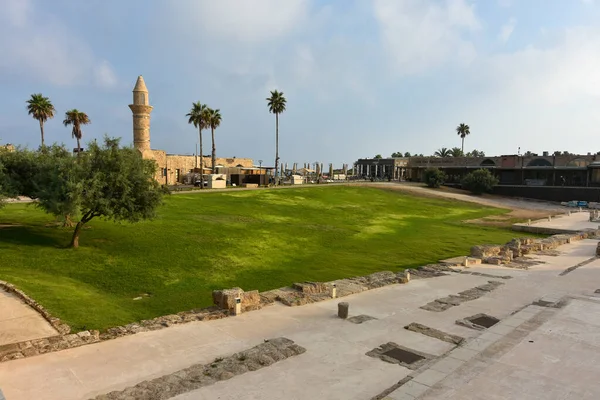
(381, 171)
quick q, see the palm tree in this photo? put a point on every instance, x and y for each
(456, 152)
(40, 108)
(198, 117)
(463, 130)
(443, 152)
(214, 120)
(276, 105)
(76, 118)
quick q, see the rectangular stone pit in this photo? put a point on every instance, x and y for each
(396, 354)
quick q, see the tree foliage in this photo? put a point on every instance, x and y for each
(479, 181)
(434, 177)
(3, 185)
(214, 121)
(378, 156)
(198, 116)
(475, 153)
(442, 152)
(41, 109)
(107, 181)
(456, 152)
(397, 154)
(407, 154)
(463, 130)
(76, 118)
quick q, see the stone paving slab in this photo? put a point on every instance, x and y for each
(19, 322)
(335, 363)
(460, 356)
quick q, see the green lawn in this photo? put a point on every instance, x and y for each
(252, 239)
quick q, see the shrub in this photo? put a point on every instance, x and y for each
(434, 177)
(480, 181)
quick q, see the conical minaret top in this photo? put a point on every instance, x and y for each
(141, 109)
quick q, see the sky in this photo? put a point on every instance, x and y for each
(361, 77)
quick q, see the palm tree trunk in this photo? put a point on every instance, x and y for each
(463, 145)
(42, 130)
(78, 147)
(276, 148)
(214, 149)
(201, 160)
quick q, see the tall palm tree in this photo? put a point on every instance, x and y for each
(456, 152)
(76, 118)
(40, 108)
(463, 130)
(276, 105)
(214, 120)
(443, 152)
(198, 117)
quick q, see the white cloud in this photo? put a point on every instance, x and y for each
(559, 74)
(246, 21)
(420, 35)
(104, 74)
(507, 30)
(43, 49)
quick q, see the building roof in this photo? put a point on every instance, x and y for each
(140, 85)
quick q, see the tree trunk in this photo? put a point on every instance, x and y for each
(75, 239)
(67, 223)
(463, 145)
(276, 148)
(78, 147)
(201, 159)
(214, 149)
(42, 130)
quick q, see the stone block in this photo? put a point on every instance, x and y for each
(311, 287)
(343, 309)
(251, 300)
(225, 299)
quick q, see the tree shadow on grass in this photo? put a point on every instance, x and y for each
(29, 236)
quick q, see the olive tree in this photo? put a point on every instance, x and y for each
(107, 181)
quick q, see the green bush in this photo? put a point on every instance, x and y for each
(434, 177)
(480, 181)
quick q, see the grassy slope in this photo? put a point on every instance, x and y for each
(252, 239)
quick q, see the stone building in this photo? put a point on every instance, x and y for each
(382, 168)
(171, 168)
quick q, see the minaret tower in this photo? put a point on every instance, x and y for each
(141, 109)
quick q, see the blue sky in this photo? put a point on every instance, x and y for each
(361, 77)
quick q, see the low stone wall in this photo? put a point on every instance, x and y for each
(504, 254)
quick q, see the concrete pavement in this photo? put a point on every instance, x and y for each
(335, 365)
(19, 322)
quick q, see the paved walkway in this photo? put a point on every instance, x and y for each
(334, 366)
(577, 221)
(19, 322)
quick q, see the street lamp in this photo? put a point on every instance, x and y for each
(260, 179)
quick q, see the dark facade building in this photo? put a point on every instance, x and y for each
(523, 170)
(529, 170)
